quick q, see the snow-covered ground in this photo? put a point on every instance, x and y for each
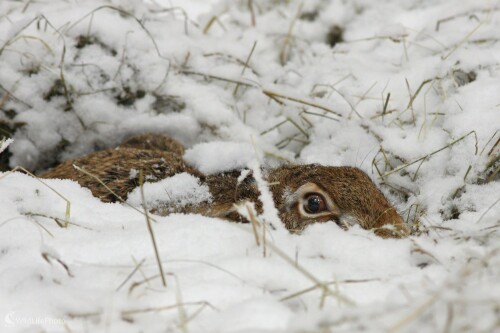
(409, 93)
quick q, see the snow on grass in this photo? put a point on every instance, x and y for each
(409, 95)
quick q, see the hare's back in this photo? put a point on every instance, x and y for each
(119, 169)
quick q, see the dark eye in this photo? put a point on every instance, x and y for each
(314, 203)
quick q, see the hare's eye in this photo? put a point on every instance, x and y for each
(314, 203)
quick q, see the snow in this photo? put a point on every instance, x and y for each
(179, 191)
(217, 156)
(132, 66)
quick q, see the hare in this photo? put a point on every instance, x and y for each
(303, 194)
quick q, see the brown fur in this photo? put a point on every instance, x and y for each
(154, 141)
(350, 188)
(160, 157)
(119, 168)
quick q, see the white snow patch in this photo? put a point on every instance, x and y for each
(180, 190)
(217, 156)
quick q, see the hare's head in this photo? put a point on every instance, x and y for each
(306, 194)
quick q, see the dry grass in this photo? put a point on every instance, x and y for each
(150, 229)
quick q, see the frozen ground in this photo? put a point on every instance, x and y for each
(410, 94)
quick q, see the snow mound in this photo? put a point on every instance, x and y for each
(216, 156)
(178, 191)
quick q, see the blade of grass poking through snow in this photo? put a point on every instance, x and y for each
(274, 127)
(326, 290)
(62, 77)
(38, 39)
(423, 158)
(253, 220)
(463, 41)
(60, 222)
(158, 308)
(486, 145)
(342, 95)
(2, 223)
(314, 287)
(409, 93)
(140, 271)
(206, 263)
(99, 180)
(150, 228)
(493, 148)
(487, 210)
(217, 77)
(14, 36)
(294, 123)
(229, 58)
(384, 110)
(211, 22)
(180, 307)
(9, 95)
(320, 115)
(251, 214)
(136, 268)
(245, 67)
(67, 214)
(412, 99)
(275, 95)
(285, 49)
(424, 127)
(252, 12)
(291, 121)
